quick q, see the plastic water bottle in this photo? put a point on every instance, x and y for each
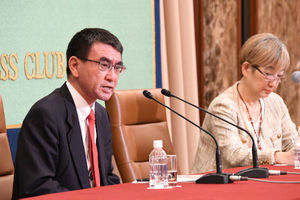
(158, 175)
(297, 155)
(297, 150)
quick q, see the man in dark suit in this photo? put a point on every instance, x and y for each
(54, 152)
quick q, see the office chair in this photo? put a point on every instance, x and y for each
(6, 163)
(136, 121)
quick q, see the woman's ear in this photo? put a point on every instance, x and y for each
(73, 65)
(246, 68)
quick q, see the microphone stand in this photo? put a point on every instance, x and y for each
(212, 178)
(254, 172)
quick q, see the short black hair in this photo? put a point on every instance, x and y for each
(82, 41)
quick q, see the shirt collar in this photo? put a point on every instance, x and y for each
(80, 103)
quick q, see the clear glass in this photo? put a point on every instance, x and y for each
(172, 170)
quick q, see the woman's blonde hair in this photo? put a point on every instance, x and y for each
(265, 49)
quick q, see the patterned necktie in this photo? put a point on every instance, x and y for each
(93, 150)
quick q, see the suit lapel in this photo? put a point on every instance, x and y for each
(75, 140)
(100, 145)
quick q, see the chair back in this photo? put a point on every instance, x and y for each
(6, 163)
(136, 121)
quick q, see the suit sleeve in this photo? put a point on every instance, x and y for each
(110, 176)
(289, 132)
(37, 155)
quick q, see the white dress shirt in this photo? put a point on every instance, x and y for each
(83, 111)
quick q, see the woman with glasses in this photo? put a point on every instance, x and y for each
(252, 104)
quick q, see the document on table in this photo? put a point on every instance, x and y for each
(180, 179)
(187, 178)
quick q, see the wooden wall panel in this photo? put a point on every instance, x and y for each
(282, 18)
(220, 41)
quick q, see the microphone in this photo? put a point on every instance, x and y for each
(254, 172)
(213, 178)
(296, 77)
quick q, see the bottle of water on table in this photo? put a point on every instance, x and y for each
(297, 150)
(158, 175)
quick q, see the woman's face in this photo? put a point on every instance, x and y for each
(264, 79)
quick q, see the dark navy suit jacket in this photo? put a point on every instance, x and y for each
(50, 156)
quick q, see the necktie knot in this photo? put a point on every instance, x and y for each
(91, 115)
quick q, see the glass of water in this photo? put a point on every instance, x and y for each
(172, 170)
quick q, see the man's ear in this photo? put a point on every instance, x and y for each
(73, 65)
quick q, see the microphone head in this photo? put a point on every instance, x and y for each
(147, 94)
(166, 92)
(296, 77)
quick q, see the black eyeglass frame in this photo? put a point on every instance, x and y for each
(267, 77)
(104, 68)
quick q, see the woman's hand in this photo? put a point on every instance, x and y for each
(285, 157)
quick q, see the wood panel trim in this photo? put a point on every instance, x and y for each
(253, 10)
(239, 37)
(198, 20)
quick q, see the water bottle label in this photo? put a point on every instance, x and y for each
(158, 176)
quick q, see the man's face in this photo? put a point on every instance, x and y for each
(94, 83)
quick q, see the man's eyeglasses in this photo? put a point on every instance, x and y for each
(268, 76)
(106, 66)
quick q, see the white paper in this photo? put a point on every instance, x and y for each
(187, 178)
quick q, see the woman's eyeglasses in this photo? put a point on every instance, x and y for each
(268, 76)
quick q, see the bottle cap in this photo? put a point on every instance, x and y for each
(157, 143)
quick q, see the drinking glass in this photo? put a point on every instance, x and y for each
(172, 170)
